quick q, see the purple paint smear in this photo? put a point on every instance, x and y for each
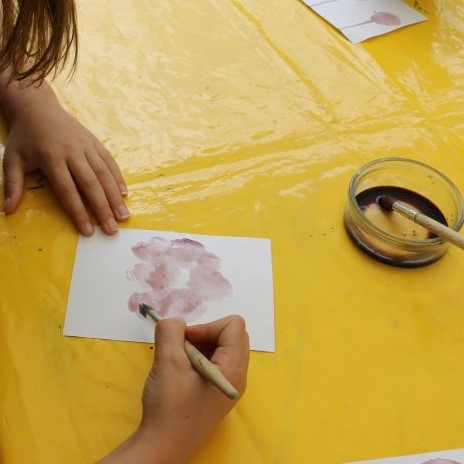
(165, 265)
(441, 461)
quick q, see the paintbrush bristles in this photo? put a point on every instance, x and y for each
(143, 309)
(147, 311)
(386, 202)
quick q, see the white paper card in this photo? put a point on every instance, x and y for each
(198, 277)
(441, 457)
(360, 20)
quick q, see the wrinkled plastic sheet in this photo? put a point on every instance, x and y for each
(248, 118)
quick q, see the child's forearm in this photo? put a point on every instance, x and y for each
(144, 449)
(16, 97)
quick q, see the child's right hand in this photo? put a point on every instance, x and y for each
(180, 408)
(178, 404)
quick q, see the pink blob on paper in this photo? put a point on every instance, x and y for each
(326, 1)
(382, 18)
(441, 461)
(178, 277)
(386, 19)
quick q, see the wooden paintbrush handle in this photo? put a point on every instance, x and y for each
(439, 229)
(209, 371)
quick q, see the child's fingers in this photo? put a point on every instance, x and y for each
(91, 187)
(109, 184)
(225, 331)
(67, 192)
(13, 172)
(228, 342)
(169, 341)
(114, 169)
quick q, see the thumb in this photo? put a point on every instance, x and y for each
(13, 177)
(169, 340)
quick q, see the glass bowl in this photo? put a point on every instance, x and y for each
(386, 235)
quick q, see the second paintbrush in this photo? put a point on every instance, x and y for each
(389, 203)
(200, 363)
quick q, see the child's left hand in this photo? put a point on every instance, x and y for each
(42, 135)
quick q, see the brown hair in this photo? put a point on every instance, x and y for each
(37, 37)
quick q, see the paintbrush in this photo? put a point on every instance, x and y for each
(389, 203)
(200, 362)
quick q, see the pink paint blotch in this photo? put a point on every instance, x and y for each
(209, 260)
(386, 19)
(187, 243)
(209, 283)
(180, 302)
(161, 277)
(441, 461)
(163, 264)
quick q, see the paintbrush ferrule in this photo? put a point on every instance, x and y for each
(405, 210)
(442, 230)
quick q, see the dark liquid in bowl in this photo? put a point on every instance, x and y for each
(368, 198)
(418, 202)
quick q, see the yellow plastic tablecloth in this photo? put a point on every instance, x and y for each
(248, 118)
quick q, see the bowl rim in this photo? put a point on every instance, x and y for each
(395, 238)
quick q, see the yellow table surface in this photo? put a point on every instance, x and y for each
(248, 118)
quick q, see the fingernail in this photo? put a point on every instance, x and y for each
(7, 200)
(123, 190)
(111, 224)
(88, 228)
(123, 211)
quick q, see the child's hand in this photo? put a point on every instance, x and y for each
(178, 404)
(81, 171)
(180, 408)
